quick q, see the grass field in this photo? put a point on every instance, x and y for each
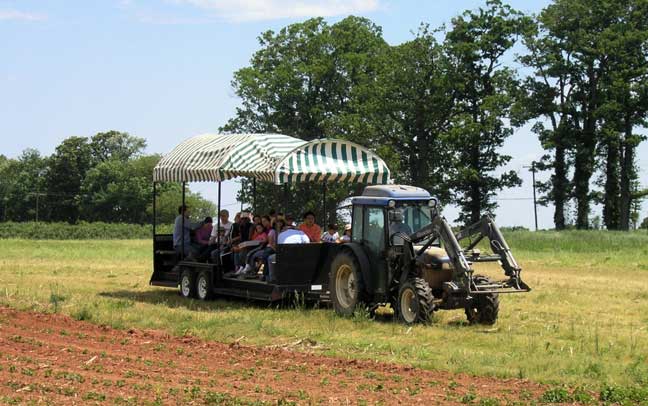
(585, 323)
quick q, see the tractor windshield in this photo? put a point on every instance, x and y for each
(408, 218)
(416, 215)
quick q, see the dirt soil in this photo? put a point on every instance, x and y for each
(54, 359)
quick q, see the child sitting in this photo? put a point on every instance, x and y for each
(331, 236)
(346, 237)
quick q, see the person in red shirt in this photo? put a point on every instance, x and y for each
(312, 230)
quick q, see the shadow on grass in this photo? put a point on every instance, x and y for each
(173, 299)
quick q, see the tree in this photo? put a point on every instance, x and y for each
(115, 191)
(115, 145)
(307, 81)
(68, 167)
(477, 44)
(587, 59)
(170, 197)
(23, 187)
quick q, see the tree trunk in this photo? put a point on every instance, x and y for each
(560, 186)
(627, 175)
(611, 200)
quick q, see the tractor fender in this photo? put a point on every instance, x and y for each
(365, 268)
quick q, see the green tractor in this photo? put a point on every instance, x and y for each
(404, 253)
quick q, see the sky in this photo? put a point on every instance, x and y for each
(162, 70)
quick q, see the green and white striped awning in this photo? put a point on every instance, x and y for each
(330, 160)
(270, 157)
(216, 157)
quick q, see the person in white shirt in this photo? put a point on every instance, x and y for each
(226, 227)
(288, 235)
(346, 237)
(331, 236)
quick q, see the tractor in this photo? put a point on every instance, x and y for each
(405, 254)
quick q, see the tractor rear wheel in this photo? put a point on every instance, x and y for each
(415, 301)
(345, 284)
(483, 309)
(187, 283)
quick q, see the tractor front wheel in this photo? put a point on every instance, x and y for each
(415, 301)
(345, 283)
(484, 308)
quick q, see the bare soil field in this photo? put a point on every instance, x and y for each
(54, 359)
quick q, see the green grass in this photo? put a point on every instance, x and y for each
(585, 324)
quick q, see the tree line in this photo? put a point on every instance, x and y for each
(106, 177)
(438, 108)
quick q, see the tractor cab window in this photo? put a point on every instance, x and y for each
(374, 233)
(408, 218)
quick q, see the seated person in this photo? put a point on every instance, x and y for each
(396, 225)
(288, 235)
(312, 230)
(331, 235)
(182, 228)
(261, 236)
(201, 238)
(346, 237)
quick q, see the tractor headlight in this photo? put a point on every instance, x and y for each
(433, 203)
(392, 203)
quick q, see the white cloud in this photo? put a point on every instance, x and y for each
(257, 10)
(15, 15)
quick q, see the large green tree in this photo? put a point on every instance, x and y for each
(477, 44)
(22, 187)
(588, 59)
(307, 81)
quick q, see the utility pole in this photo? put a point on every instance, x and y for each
(535, 202)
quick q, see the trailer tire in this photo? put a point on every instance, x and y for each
(204, 286)
(187, 284)
(345, 284)
(415, 301)
(483, 309)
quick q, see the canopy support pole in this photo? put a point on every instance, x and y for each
(182, 213)
(254, 198)
(285, 198)
(154, 207)
(218, 222)
(324, 213)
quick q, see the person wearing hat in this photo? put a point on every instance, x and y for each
(346, 237)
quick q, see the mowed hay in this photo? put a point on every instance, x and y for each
(585, 323)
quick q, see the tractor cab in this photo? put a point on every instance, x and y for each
(384, 212)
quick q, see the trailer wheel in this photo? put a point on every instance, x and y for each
(346, 285)
(204, 286)
(187, 284)
(415, 301)
(483, 309)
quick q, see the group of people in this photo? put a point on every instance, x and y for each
(250, 239)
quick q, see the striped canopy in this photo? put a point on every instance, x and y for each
(330, 160)
(211, 157)
(269, 157)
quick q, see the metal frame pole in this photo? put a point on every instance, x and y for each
(182, 213)
(154, 207)
(218, 240)
(254, 198)
(325, 214)
(285, 198)
(535, 203)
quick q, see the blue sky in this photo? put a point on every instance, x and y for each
(161, 70)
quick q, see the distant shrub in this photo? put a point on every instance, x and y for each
(80, 231)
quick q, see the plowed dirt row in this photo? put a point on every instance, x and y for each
(53, 359)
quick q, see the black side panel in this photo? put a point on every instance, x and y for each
(303, 264)
(164, 261)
